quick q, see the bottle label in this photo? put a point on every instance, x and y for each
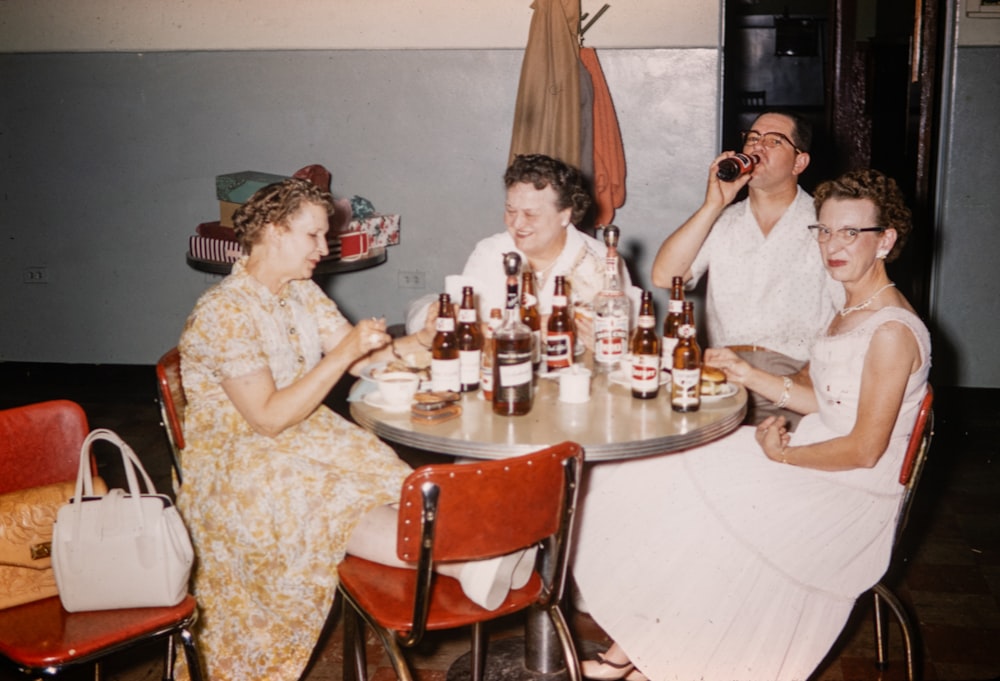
(685, 331)
(558, 301)
(610, 338)
(685, 387)
(444, 324)
(645, 373)
(559, 350)
(675, 306)
(646, 321)
(467, 316)
(529, 300)
(469, 362)
(445, 374)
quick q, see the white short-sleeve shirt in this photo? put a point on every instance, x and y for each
(770, 291)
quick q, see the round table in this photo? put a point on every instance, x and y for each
(611, 425)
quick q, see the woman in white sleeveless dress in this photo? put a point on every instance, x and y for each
(742, 560)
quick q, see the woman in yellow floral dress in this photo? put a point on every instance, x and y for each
(274, 481)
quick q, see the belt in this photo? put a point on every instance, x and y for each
(748, 348)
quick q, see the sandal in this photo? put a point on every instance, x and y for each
(603, 669)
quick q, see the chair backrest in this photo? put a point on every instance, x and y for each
(916, 456)
(476, 510)
(40, 444)
(172, 399)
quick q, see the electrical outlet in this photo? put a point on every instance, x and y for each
(411, 280)
(36, 275)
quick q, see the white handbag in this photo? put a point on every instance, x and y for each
(120, 550)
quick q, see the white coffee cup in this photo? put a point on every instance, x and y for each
(574, 384)
(398, 387)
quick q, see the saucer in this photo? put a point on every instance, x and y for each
(377, 400)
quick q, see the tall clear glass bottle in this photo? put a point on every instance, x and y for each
(470, 342)
(611, 308)
(513, 385)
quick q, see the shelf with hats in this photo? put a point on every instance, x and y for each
(358, 236)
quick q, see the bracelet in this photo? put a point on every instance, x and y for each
(786, 394)
(784, 459)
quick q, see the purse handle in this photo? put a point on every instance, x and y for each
(84, 479)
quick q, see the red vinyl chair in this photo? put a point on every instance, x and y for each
(39, 445)
(909, 476)
(467, 511)
(172, 404)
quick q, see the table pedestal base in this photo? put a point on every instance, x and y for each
(505, 662)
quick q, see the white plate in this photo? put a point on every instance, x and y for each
(624, 377)
(728, 390)
(375, 399)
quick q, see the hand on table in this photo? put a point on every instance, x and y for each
(737, 370)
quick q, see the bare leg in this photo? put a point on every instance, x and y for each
(485, 582)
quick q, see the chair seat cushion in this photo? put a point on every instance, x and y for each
(387, 594)
(43, 634)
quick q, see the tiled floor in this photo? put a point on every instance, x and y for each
(949, 575)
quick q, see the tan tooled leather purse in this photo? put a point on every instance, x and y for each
(26, 518)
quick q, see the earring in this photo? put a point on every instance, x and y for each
(881, 254)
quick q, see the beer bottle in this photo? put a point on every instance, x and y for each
(531, 317)
(486, 366)
(445, 367)
(470, 342)
(675, 312)
(735, 166)
(645, 349)
(513, 385)
(685, 388)
(559, 336)
(611, 308)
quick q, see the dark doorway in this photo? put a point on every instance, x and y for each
(866, 75)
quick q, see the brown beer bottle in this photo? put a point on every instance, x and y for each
(685, 388)
(531, 317)
(445, 367)
(486, 366)
(672, 322)
(645, 349)
(513, 384)
(735, 166)
(470, 342)
(560, 336)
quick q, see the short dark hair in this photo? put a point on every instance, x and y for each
(543, 171)
(275, 204)
(879, 189)
(802, 129)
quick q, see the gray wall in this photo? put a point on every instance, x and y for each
(109, 159)
(966, 308)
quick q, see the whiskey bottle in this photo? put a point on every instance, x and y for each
(611, 308)
(513, 387)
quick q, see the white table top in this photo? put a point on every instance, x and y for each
(611, 425)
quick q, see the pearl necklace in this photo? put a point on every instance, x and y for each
(861, 306)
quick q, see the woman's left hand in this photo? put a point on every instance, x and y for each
(773, 437)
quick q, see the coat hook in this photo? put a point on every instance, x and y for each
(592, 21)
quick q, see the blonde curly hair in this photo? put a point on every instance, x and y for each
(882, 191)
(275, 204)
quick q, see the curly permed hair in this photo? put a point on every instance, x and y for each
(879, 189)
(275, 204)
(543, 171)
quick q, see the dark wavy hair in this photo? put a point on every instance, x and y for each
(275, 204)
(879, 189)
(543, 171)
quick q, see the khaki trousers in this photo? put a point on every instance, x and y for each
(758, 406)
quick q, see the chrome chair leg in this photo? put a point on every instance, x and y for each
(478, 656)
(883, 596)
